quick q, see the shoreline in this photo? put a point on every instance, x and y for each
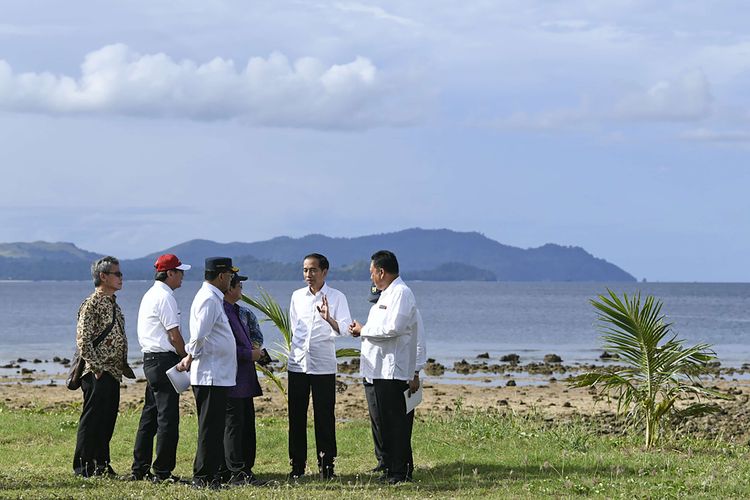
(543, 395)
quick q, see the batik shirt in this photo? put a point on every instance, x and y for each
(94, 317)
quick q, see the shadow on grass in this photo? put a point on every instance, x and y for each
(457, 475)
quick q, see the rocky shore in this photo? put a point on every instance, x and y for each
(503, 383)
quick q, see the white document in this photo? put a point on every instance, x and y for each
(180, 380)
(413, 400)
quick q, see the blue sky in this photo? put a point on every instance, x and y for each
(619, 126)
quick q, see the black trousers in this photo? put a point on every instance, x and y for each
(239, 435)
(160, 417)
(101, 399)
(393, 423)
(211, 402)
(323, 389)
(376, 426)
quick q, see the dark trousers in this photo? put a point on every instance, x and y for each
(239, 435)
(211, 402)
(101, 398)
(323, 389)
(393, 423)
(377, 436)
(160, 417)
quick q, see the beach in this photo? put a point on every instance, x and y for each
(545, 394)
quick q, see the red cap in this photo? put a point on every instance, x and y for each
(169, 261)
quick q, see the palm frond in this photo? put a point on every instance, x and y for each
(659, 371)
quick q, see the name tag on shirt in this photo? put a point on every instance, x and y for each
(382, 307)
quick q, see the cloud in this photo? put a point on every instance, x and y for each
(271, 91)
(376, 12)
(706, 135)
(685, 98)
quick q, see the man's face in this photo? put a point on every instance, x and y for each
(174, 278)
(314, 276)
(377, 275)
(224, 279)
(112, 279)
(234, 293)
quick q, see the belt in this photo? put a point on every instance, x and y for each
(157, 355)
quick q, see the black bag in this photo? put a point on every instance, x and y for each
(73, 382)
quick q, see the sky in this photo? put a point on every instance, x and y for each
(620, 126)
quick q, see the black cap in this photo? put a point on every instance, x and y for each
(374, 293)
(220, 265)
(236, 279)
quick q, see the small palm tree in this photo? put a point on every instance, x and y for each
(280, 317)
(659, 371)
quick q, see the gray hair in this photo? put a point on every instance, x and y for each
(103, 265)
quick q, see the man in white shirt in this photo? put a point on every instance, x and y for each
(372, 406)
(212, 361)
(388, 359)
(163, 347)
(317, 314)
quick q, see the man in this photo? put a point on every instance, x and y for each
(317, 314)
(212, 360)
(163, 347)
(239, 429)
(102, 344)
(388, 359)
(421, 358)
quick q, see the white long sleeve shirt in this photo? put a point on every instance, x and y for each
(313, 339)
(388, 338)
(211, 341)
(157, 314)
(421, 347)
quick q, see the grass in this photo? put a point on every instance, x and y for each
(459, 454)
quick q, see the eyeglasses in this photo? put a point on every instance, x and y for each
(116, 273)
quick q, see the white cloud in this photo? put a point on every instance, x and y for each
(267, 91)
(682, 99)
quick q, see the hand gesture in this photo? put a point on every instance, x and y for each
(355, 328)
(324, 310)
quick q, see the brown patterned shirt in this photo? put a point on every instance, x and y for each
(94, 317)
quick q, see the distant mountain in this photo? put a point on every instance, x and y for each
(42, 260)
(424, 254)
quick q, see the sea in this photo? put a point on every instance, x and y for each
(462, 319)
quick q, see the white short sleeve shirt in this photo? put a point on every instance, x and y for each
(158, 314)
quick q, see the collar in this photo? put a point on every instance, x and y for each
(390, 288)
(99, 293)
(208, 286)
(323, 290)
(163, 286)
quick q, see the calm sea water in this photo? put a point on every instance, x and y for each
(37, 319)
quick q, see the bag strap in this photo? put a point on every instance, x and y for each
(98, 340)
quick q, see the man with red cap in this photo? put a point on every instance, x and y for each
(163, 347)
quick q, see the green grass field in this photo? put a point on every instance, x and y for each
(461, 454)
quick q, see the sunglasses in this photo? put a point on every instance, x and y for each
(116, 273)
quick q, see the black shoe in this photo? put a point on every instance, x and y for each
(106, 472)
(200, 484)
(396, 479)
(383, 478)
(244, 479)
(137, 476)
(327, 473)
(170, 479)
(296, 474)
(379, 468)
